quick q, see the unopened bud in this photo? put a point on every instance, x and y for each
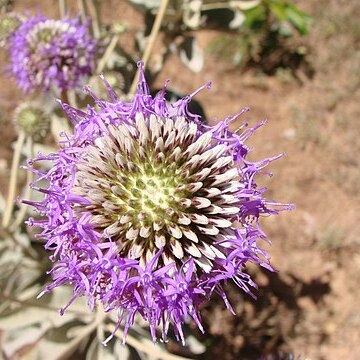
(31, 119)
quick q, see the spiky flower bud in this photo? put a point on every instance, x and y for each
(6, 4)
(51, 54)
(32, 119)
(149, 210)
(9, 22)
(114, 78)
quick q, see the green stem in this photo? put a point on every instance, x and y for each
(13, 179)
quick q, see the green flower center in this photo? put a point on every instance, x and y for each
(150, 194)
(157, 184)
(8, 24)
(30, 119)
(44, 32)
(45, 35)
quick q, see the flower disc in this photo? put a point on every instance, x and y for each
(160, 183)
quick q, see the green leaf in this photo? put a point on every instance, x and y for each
(255, 17)
(298, 19)
(279, 10)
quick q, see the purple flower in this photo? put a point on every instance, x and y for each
(148, 210)
(51, 54)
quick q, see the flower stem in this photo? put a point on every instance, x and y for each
(13, 179)
(151, 41)
(102, 62)
(94, 10)
(82, 8)
(29, 178)
(62, 8)
(107, 53)
(64, 96)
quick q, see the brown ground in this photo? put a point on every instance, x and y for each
(310, 306)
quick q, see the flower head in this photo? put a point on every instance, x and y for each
(149, 210)
(115, 79)
(32, 119)
(51, 54)
(9, 22)
(6, 4)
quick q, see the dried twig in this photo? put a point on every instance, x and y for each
(107, 53)
(82, 8)
(102, 62)
(94, 10)
(62, 8)
(151, 41)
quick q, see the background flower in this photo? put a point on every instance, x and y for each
(149, 210)
(51, 54)
(31, 118)
(9, 22)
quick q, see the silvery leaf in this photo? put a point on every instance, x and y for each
(237, 21)
(14, 340)
(122, 351)
(195, 346)
(97, 351)
(44, 149)
(192, 13)
(58, 126)
(191, 54)
(27, 316)
(146, 4)
(243, 4)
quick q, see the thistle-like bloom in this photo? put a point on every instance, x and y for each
(149, 210)
(51, 54)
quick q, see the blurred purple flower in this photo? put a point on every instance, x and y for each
(149, 210)
(51, 54)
